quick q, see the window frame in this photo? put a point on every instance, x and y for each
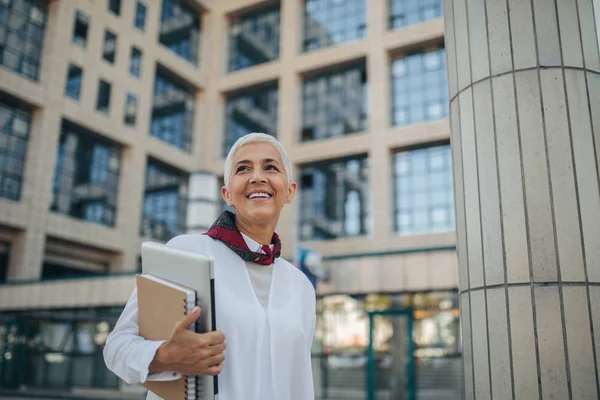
(140, 5)
(107, 87)
(76, 96)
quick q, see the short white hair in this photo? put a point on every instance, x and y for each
(256, 137)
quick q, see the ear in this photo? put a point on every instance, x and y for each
(291, 192)
(226, 195)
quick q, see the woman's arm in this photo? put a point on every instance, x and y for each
(129, 355)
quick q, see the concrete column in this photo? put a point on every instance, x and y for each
(379, 84)
(290, 106)
(28, 250)
(524, 80)
(203, 201)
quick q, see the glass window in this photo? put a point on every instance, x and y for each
(103, 100)
(114, 6)
(165, 202)
(251, 111)
(14, 139)
(423, 190)
(342, 334)
(130, 110)
(254, 39)
(109, 50)
(22, 25)
(410, 12)
(86, 177)
(140, 15)
(172, 113)
(419, 88)
(80, 30)
(332, 22)
(135, 62)
(335, 104)
(180, 29)
(74, 80)
(63, 347)
(334, 199)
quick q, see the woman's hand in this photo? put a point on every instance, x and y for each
(190, 353)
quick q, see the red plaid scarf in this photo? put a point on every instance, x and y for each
(225, 230)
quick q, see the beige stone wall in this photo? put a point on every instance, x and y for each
(34, 223)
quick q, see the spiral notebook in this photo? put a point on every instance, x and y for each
(161, 304)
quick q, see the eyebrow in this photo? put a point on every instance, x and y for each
(266, 161)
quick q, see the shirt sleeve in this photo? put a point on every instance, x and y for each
(127, 354)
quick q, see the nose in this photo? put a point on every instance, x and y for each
(257, 176)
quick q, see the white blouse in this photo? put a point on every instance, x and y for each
(267, 315)
(260, 275)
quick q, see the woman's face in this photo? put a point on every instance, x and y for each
(258, 186)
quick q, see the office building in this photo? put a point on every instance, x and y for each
(113, 113)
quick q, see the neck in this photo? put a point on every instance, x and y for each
(261, 233)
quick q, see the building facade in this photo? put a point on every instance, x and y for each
(116, 117)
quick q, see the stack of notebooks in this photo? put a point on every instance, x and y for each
(161, 304)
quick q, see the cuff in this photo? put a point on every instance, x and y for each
(146, 360)
(163, 376)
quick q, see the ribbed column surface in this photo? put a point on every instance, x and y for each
(524, 83)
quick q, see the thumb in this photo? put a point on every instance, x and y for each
(189, 319)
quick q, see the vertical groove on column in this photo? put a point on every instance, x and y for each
(579, 341)
(540, 220)
(478, 40)
(593, 86)
(500, 360)
(524, 176)
(489, 195)
(546, 33)
(479, 338)
(590, 58)
(549, 322)
(468, 374)
(522, 34)
(566, 12)
(461, 44)
(463, 258)
(524, 343)
(471, 189)
(511, 186)
(498, 36)
(581, 244)
(585, 166)
(588, 36)
(562, 184)
(476, 179)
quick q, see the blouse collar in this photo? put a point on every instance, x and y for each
(253, 244)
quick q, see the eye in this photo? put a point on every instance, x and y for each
(271, 167)
(241, 168)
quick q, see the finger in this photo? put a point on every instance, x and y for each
(212, 361)
(216, 360)
(217, 348)
(214, 337)
(215, 369)
(188, 320)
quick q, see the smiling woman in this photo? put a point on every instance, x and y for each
(265, 306)
(258, 187)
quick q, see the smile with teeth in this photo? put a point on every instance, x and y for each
(259, 195)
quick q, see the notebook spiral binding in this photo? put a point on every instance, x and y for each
(198, 379)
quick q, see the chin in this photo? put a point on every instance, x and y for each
(265, 214)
